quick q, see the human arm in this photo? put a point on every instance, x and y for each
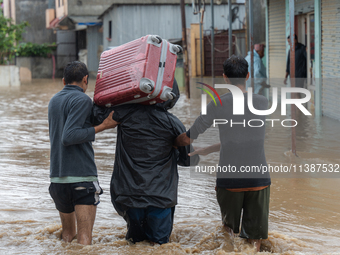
(183, 140)
(107, 124)
(285, 80)
(100, 113)
(77, 128)
(206, 150)
(183, 158)
(201, 124)
(287, 69)
(260, 75)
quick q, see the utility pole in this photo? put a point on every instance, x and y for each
(230, 30)
(200, 17)
(212, 42)
(251, 43)
(185, 50)
(292, 68)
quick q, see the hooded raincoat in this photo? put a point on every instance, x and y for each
(145, 168)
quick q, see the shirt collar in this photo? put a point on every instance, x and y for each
(73, 87)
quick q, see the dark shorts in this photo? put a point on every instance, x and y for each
(151, 223)
(255, 205)
(67, 195)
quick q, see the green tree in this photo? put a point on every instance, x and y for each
(10, 35)
(1, 7)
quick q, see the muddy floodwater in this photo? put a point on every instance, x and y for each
(304, 212)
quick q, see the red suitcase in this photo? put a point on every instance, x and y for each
(141, 71)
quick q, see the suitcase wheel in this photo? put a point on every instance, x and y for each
(146, 86)
(170, 95)
(156, 38)
(176, 48)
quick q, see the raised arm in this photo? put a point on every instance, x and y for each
(183, 140)
(201, 124)
(74, 131)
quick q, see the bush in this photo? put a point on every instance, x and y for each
(35, 50)
(10, 35)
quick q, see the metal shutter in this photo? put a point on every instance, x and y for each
(330, 57)
(277, 42)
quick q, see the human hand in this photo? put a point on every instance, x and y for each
(285, 81)
(109, 122)
(199, 151)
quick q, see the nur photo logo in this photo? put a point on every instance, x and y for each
(239, 104)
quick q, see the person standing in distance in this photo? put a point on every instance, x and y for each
(74, 183)
(260, 73)
(300, 64)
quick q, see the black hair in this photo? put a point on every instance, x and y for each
(75, 71)
(295, 36)
(236, 69)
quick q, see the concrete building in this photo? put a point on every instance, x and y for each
(29, 10)
(317, 25)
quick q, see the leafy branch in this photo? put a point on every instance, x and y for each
(10, 35)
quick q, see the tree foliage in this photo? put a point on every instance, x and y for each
(10, 35)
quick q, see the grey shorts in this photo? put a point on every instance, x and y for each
(67, 195)
(255, 205)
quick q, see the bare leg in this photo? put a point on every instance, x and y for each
(68, 222)
(256, 243)
(85, 215)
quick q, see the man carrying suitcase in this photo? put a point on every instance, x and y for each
(145, 178)
(73, 173)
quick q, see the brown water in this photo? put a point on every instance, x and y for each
(304, 212)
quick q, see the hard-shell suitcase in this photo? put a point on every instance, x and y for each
(141, 71)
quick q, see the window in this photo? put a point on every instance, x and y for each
(110, 29)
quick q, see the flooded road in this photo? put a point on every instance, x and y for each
(304, 212)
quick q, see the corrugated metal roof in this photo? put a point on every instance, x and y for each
(161, 2)
(85, 19)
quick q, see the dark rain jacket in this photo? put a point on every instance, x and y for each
(300, 61)
(145, 168)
